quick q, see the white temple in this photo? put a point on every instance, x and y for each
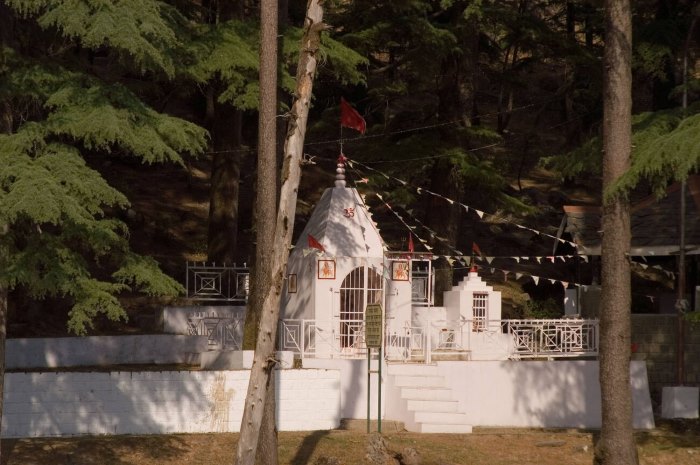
(328, 291)
(442, 368)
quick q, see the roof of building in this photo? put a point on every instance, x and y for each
(343, 226)
(655, 223)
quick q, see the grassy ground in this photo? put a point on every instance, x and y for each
(663, 446)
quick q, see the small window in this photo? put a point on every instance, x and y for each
(480, 311)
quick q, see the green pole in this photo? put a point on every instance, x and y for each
(379, 392)
(369, 371)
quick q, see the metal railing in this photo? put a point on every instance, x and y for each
(553, 338)
(212, 282)
(312, 338)
(224, 330)
(514, 339)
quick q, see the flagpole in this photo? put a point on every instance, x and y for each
(341, 138)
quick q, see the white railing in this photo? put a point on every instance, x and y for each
(408, 344)
(553, 338)
(224, 330)
(317, 339)
(502, 339)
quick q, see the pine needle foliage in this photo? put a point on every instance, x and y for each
(227, 52)
(65, 238)
(666, 148)
(142, 31)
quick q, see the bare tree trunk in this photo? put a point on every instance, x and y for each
(266, 208)
(263, 362)
(616, 445)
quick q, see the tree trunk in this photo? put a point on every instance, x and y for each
(3, 327)
(616, 445)
(266, 208)
(225, 125)
(225, 180)
(6, 124)
(263, 361)
(444, 218)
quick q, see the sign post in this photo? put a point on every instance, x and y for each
(373, 339)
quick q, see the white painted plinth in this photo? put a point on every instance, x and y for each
(240, 359)
(680, 402)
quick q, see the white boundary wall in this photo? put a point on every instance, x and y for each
(66, 404)
(540, 394)
(547, 394)
(353, 385)
(103, 350)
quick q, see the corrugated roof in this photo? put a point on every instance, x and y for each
(655, 223)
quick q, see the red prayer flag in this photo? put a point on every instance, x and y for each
(476, 249)
(313, 243)
(350, 118)
(410, 243)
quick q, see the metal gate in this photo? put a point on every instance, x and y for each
(361, 286)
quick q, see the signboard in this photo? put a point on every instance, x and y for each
(373, 325)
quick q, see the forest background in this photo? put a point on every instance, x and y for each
(129, 132)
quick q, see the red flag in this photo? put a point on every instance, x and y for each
(410, 243)
(476, 249)
(350, 118)
(314, 244)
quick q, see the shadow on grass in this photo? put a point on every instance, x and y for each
(307, 447)
(93, 450)
(671, 434)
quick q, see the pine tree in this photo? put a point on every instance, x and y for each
(63, 69)
(616, 445)
(60, 211)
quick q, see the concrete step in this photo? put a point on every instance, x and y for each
(451, 355)
(440, 418)
(443, 428)
(447, 406)
(419, 381)
(417, 393)
(421, 369)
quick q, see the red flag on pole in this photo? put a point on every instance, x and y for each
(314, 244)
(350, 118)
(410, 243)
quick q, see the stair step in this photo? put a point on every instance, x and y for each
(451, 355)
(440, 418)
(444, 428)
(447, 406)
(422, 369)
(417, 393)
(419, 381)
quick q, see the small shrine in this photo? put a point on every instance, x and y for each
(340, 264)
(336, 268)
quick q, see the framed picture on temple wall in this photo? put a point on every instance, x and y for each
(399, 270)
(292, 284)
(326, 269)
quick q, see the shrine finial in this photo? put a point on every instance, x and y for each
(340, 171)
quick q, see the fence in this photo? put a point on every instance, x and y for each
(500, 339)
(223, 329)
(212, 282)
(553, 338)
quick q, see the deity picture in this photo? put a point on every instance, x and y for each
(326, 269)
(399, 270)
